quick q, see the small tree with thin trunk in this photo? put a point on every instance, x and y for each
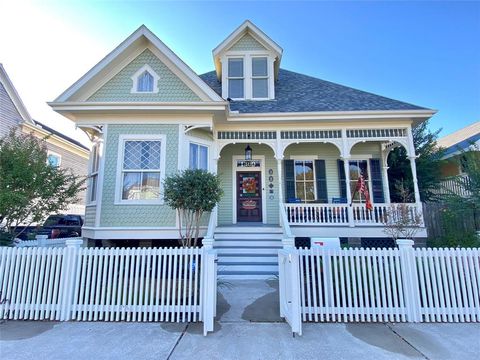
(30, 188)
(191, 193)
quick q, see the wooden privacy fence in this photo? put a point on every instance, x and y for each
(108, 284)
(380, 285)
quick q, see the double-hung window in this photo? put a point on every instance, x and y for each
(305, 180)
(141, 169)
(92, 197)
(357, 168)
(236, 83)
(259, 78)
(198, 156)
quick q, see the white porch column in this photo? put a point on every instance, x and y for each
(346, 167)
(413, 166)
(280, 178)
(386, 187)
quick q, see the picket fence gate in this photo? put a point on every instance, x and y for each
(379, 285)
(108, 284)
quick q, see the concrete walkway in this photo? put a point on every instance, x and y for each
(248, 327)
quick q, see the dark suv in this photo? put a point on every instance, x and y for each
(62, 226)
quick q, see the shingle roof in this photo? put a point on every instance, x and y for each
(296, 92)
(59, 134)
(460, 139)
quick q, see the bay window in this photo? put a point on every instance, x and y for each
(93, 178)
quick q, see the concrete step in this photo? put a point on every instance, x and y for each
(247, 236)
(249, 257)
(248, 267)
(249, 229)
(244, 275)
(258, 250)
(249, 243)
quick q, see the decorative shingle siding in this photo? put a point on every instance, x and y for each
(90, 213)
(225, 208)
(136, 215)
(171, 88)
(247, 42)
(9, 115)
(296, 92)
(77, 164)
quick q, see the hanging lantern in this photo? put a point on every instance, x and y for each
(248, 153)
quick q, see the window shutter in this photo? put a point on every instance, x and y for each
(377, 184)
(341, 179)
(321, 178)
(289, 169)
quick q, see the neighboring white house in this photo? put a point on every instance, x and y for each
(289, 148)
(62, 150)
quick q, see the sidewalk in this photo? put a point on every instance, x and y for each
(248, 327)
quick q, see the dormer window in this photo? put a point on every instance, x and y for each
(236, 79)
(259, 77)
(145, 80)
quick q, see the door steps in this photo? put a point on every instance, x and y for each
(248, 252)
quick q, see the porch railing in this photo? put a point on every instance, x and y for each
(337, 214)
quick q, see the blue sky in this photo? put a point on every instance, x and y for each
(426, 53)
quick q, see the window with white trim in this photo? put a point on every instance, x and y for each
(145, 80)
(93, 178)
(141, 170)
(259, 77)
(236, 78)
(198, 156)
(357, 168)
(53, 159)
(305, 180)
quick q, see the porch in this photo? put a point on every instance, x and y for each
(311, 177)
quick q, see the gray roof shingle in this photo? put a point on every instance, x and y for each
(296, 92)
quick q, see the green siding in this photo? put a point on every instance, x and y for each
(136, 215)
(90, 212)
(327, 152)
(225, 208)
(247, 42)
(367, 148)
(171, 88)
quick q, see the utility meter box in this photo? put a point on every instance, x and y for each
(325, 243)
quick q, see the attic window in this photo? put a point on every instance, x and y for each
(259, 78)
(235, 78)
(145, 80)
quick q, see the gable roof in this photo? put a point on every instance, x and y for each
(135, 39)
(296, 92)
(13, 94)
(247, 27)
(460, 140)
(52, 131)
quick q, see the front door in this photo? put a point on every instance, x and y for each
(249, 196)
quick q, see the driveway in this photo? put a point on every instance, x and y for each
(248, 327)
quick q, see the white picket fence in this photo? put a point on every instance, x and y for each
(108, 284)
(380, 285)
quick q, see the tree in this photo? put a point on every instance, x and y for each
(428, 165)
(192, 193)
(30, 188)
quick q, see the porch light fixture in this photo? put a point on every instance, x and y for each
(248, 153)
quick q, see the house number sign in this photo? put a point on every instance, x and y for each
(248, 163)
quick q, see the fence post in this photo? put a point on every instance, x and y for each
(209, 289)
(410, 284)
(69, 268)
(41, 240)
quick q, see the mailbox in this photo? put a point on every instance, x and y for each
(325, 243)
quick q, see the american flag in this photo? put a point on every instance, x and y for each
(363, 189)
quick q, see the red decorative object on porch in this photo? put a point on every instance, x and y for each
(362, 188)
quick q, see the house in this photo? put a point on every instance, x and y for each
(452, 169)
(62, 150)
(289, 148)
